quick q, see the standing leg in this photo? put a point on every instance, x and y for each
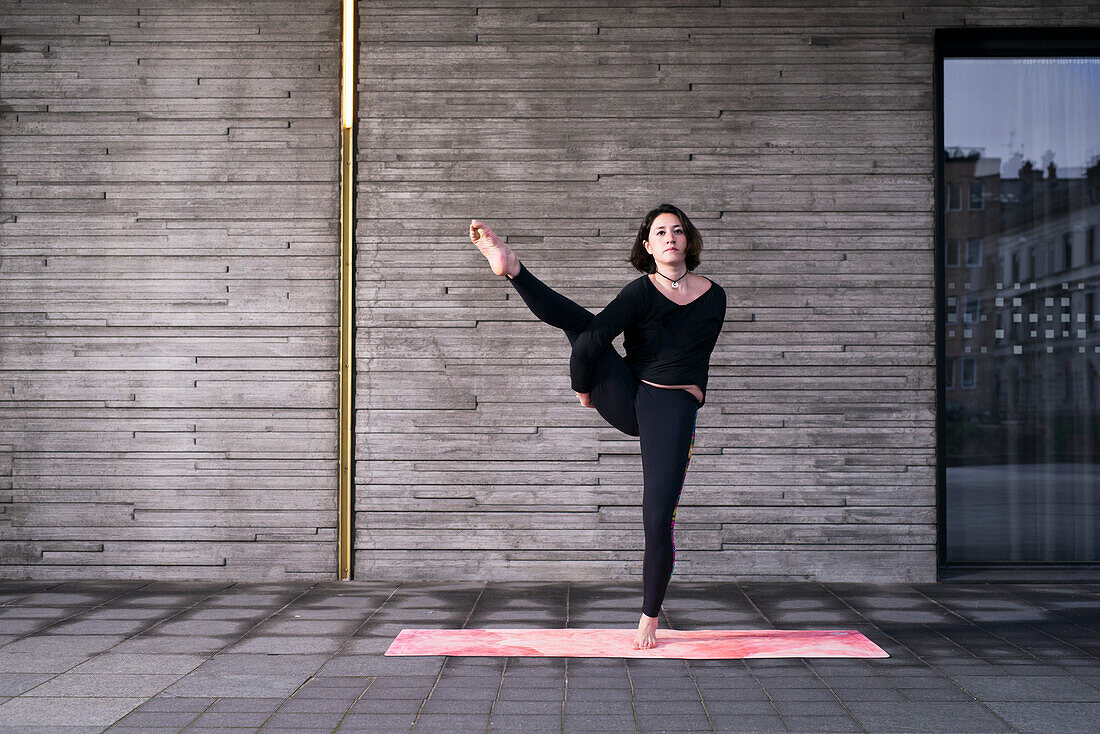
(666, 418)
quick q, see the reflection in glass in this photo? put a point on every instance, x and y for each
(1021, 274)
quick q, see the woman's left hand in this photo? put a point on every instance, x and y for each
(586, 399)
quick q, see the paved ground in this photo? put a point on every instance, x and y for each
(218, 658)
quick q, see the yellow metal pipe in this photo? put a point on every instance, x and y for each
(347, 250)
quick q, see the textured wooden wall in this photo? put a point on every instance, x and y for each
(168, 254)
(799, 138)
(168, 263)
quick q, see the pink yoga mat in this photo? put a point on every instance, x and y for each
(616, 643)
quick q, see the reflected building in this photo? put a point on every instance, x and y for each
(1022, 343)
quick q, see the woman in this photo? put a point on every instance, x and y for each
(671, 318)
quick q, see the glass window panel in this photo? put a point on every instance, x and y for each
(954, 196)
(973, 310)
(1022, 416)
(973, 252)
(976, 192)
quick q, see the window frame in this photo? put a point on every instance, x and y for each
(1004, 42)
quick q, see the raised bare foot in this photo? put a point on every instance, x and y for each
(501, 259)
(646, 636)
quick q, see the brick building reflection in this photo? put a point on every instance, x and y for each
(1022, 332)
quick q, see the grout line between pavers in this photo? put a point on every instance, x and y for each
(749, 668)
(74, 614)
(668, 622)
(334, 653)
(977, 626)
(1008, 590)
(918, 657)
(352, 704)
(830, 688)
(446, 658)
(565, 694)
(633, 708)
(500, 687)
(127, 639)
(238, 639)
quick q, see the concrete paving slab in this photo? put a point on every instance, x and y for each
(287, 644)
(749, 724)
(154, 643)
(951, 718)
(246, 686)
(81, 626)
(315, 721)
(29, 662)
(1063, 717)
(1041, 689)
(65, 711)
(103, 685)
(178, 704)
(524, 724)
(146, 719)
(258, 663)
(47, 645)
(112, 662)
(12, 684)
(233, 718)
(245, 705)
(30, 729)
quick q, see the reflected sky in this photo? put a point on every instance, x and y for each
(1017, 109)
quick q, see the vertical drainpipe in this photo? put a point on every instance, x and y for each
(347, 246)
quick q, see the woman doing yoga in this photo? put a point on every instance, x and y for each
(670, 318)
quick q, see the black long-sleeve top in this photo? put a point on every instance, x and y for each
(665, 342)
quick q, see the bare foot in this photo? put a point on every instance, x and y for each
(501, 259)
(646, 636)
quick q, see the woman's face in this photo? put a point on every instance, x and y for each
(667, 241)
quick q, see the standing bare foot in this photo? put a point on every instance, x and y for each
(646, 636)
(501, 259)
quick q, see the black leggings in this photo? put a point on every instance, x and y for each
(663, 418)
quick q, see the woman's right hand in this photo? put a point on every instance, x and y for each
(586, 399)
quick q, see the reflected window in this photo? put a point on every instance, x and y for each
(976, 193)
(954, 196)
(969, 373)
(973, 310)
(973, 252)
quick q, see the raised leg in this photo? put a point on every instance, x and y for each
(551, 307)
(614, 384)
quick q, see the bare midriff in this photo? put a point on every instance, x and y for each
(693, 389)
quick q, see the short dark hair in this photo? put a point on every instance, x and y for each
(643, 261)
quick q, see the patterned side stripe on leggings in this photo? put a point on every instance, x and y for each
(672, 527)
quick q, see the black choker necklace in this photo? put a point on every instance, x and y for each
(676, 282)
